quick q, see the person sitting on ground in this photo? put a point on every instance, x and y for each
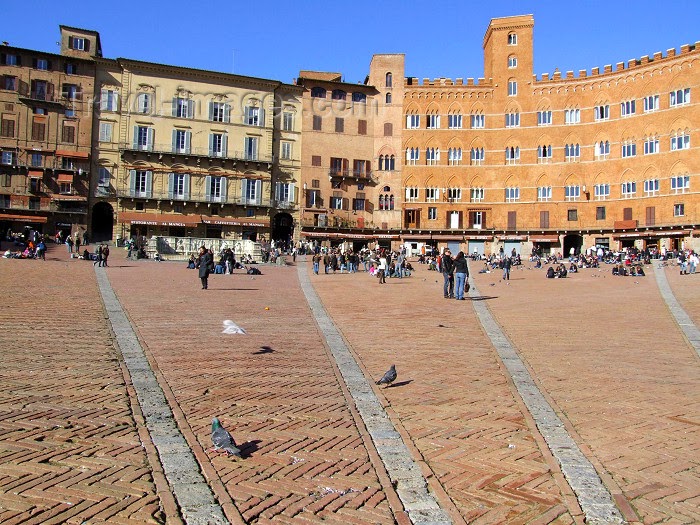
(640, 271)
(573, 268)
(538, 264)
(191, 264)
(561, 271)
(550, 273)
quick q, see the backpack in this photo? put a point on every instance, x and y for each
(253, 271)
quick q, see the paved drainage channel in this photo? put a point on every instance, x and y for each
(679, 314)
(593, 497)
(405, 474)
(193, 495)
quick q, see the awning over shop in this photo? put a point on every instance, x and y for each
(544, 238)
(61, 197)
(65, 177)
(227, 221)
(478, 237)
(641, 235)
(513, 237)
(23, 218)
(448, 237)
(386, 236)
(158, 219)
(73, 154)
(35, 174)
(417, 236)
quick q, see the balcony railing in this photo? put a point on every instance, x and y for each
(167, 149)
(167, 196)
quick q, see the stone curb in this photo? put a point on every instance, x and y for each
(404, 472)
(197, 503)
(692, 333)
(593, 496)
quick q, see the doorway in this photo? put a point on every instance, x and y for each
(102, 226)
(572, 241)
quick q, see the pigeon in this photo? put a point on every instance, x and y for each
(222, 440)
(389, 377)
(232, 328)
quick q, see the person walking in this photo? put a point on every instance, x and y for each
(105, 254)
(98, 258)
(461, 275)
(507, 263)
(69, 243)
(317, 262)
(77, 242)
(383, 267)
(205, 262)
(447, 268)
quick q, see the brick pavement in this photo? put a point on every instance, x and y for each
(452, 399)
(686, 289)
(70, 451)
(611, 358)
(275, 389)
(632, 406)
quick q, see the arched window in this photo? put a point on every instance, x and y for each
(391, 164)
(391, 202)
(512, 39)
(388, 98)
(318, 92)
(338, 94)
(359, 97)
(386, 188)
(381, 162)
(387, 82)
(381, 202)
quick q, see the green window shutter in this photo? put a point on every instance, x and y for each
(211, 144)
(224, 145)
(132, 183)
(211, 110)
(188, 141)
(223, 189)
(171, 185)
(207, 187)
(174, 106)
(187, 186)
(149, 184)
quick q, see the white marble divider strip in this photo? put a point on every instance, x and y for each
(691, 331)
(195, 498)
(593, 496)
(405, 474)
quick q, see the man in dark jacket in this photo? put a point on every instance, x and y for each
(448, 269)
(205, 262)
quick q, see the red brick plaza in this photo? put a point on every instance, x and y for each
(604, 352)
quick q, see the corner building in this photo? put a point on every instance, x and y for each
(183, 155)
(46, 103)
(351, 175)
(605, 158)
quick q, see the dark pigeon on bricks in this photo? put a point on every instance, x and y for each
(222, 440)
(389, 377)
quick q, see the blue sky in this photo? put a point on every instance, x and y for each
(275, 39)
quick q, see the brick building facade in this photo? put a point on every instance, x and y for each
(46, 134)
(557, 162)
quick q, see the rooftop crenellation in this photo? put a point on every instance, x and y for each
(621, 66)
(442, 81)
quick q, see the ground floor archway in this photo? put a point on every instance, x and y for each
(282, 229)
(102, 226)
(572, 241)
